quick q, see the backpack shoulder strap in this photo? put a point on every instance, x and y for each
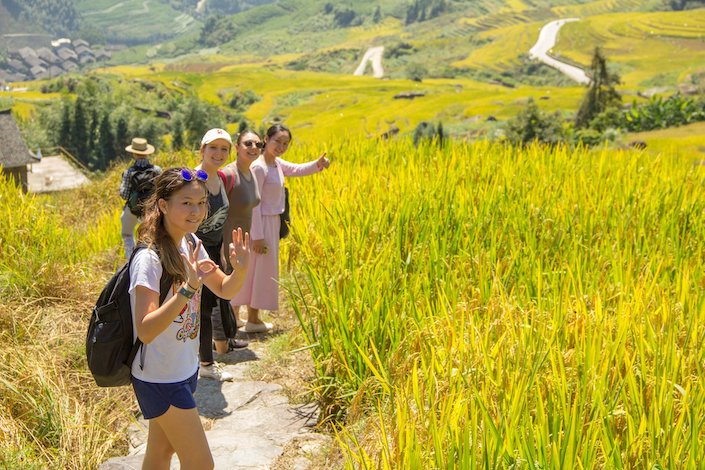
(228, 176)
(165, 283)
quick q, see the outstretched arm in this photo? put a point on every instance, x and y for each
(304, 169)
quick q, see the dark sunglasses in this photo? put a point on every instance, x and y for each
(251, 143)
(188, 175)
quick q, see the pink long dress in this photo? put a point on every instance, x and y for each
(261, 287)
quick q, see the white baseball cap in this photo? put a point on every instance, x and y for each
(215, 134)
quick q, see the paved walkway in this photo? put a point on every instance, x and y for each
(248, 423)
(54, 173)
(546, 41)
(373, 54)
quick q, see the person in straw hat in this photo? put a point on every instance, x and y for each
(136, 186)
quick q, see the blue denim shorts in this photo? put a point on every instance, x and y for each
(155, 398)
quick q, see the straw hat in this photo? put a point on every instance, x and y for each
(140, 146)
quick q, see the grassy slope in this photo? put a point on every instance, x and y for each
(493, 36)
(135, 19)
(686, 141)
(320, 106)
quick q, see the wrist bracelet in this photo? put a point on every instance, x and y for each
(185, 292)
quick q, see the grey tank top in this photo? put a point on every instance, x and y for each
(242, 198)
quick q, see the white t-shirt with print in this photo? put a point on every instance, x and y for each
(173, 355)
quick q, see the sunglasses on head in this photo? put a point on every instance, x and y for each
(188, 175)
(251, 143)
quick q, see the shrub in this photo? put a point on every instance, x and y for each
(427, 131)
(416, 72)
(532, 124)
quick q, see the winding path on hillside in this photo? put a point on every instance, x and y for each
(373, 54)
(546, 41)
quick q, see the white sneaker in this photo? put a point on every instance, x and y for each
(215, 371)
(258, 327)
(239, 322)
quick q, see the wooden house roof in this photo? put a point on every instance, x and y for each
(13, 151)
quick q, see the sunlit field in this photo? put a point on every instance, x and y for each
(491, 307)
(471, 306)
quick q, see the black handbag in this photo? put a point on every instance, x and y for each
(284, 216)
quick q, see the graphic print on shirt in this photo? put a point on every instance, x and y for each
(215, 221)
(189, 319)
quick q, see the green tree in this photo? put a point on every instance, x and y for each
(197, 117)
(532, 124)
(121, 137)
(106, 143)
(416, 72)
(344, 17)
(377, 15)
(601, 93)
(412, 13)
(93, 152)
(65, 125)
(177, 132)
(79, 134)
(216, 30)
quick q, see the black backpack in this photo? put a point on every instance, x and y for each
(110, 346)
(141, 187)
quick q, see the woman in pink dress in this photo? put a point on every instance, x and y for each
(261, 288)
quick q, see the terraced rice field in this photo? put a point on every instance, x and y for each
(641, 46)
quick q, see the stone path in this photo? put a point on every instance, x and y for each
(54, 173)
(248, 423)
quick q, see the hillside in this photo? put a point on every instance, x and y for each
(465, 65)
(464, 302)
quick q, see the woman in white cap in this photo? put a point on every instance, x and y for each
(215, 152)
(136, 186)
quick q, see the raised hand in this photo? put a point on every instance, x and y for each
(322, 162)
(196, 269)
(239, 249)
(258, 246)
